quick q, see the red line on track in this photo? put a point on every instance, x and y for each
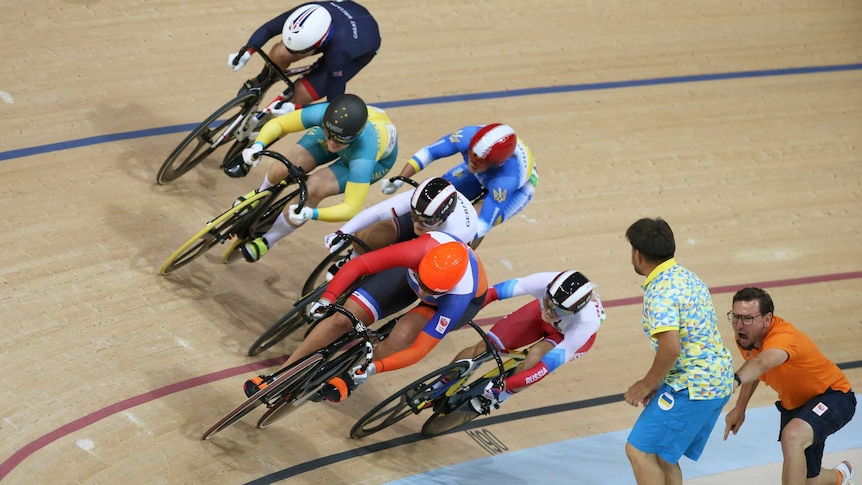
(23, 453)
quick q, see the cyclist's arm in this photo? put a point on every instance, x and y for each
(268, 30)
(354, 196)
(534, 284)
(405, 254)
(577, 341)
(449, 313)
(499, 190)
(388, 209)
(444, 147)
(278, 127)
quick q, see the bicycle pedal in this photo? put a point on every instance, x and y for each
(233, 253)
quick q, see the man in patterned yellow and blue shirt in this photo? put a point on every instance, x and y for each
(691, 377)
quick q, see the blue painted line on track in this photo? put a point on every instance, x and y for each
(110, 138)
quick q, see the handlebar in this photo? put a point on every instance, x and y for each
(294, 173)
(492, 349)
(361, 329)
(284, 74)
(404, 179)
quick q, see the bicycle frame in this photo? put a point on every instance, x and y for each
(235, 120)
(243, 219)
(303, 375)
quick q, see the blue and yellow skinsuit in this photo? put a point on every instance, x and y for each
(510, 186)
(359, 165)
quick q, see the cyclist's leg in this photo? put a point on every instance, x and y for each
(300, 156)
(405, 332)
(517, 329)
(328, 330)
(383, 233)
(306, 154)
(376, 298)
(266, 78)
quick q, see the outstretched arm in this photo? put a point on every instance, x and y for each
(749, 377)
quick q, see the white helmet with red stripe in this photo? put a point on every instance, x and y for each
(493, 144)
(306, 28)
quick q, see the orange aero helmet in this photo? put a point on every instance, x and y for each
(444, 266)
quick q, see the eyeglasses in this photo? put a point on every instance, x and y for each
(429, 222)
(745, 319)
(342, 140)
(552, 306)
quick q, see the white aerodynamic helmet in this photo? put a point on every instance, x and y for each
(306, 28)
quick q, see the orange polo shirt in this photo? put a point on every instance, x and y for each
(805, 374)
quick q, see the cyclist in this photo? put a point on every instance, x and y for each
(360, 140)
(561, 324)
(434, 205)
(496, 162)
(436, 268)
(344, 33)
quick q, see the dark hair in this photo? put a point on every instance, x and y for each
(764, 301)
(653, 238)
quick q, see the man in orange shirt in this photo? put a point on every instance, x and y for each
(815, 398)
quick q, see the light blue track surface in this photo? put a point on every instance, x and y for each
(601, 459)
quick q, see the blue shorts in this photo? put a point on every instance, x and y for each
(314, 141)
(826, 413)
(672, 425)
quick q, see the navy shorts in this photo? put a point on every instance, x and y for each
(826, 413)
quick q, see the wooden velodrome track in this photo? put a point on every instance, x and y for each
(740, 123)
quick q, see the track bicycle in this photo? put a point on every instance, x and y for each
(446, 391)
(312, 289)
(234, 122)
(244, 221)
(299, 383)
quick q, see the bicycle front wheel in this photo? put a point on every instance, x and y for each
(306, 389)
(410, 400)
(273, 392)
(293, 397)
(216, 231)
(284, 326)
(318, 274)
(206, 138)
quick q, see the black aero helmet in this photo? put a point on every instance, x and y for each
(345, 118)
(433, 200)
(570, 290)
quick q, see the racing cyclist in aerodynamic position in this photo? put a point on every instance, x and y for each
(496, 162)
(560, 325)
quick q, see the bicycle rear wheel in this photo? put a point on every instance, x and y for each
(205, 138)
(275, 389)
(284, 326)
(216, 231)
(410, 400)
